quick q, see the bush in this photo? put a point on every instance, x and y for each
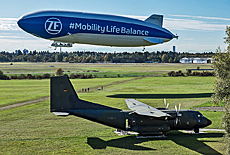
(72, 76)
(29, 76)
(172, 73)
(22, 76)
(46, 76)
(189, 71)
(13, 77)
(59, 72)
(82, 76)
(1, 74)
(38, 77)
(90, 76)
(4, 77)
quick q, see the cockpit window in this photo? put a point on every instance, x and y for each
(199, 115)
(194, 114)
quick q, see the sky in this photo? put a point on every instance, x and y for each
(200, 24)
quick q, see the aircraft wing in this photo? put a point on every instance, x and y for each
(144, 109)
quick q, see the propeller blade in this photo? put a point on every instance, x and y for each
(167, 106)
(179, 107)
(165, 102)
(176, 120)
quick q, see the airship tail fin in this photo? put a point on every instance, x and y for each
(64, 99)
(155, 19)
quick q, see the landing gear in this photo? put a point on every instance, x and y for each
(196, 130)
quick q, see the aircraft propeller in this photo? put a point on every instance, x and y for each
(166, 105)
(177, 113)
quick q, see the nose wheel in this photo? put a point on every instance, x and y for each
(196, 130)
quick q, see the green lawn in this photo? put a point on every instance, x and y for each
(16, 91)
(33, 129)
(110, 70)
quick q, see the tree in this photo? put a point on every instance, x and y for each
(221, 66)
(59, 72)
(1, 74)
(164, 58)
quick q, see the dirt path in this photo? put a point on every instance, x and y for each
(113, 83)
(24, 103)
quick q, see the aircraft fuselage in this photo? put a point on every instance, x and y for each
(129, 121)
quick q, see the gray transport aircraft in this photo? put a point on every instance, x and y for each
(141, 118)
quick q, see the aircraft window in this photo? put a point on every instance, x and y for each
(134, 121)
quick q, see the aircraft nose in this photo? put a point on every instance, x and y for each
(30, 25)
(209, 122)
(21, 23)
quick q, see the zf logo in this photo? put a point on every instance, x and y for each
(53, 25)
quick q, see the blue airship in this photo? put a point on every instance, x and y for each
(68, 27)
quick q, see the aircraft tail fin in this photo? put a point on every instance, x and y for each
(60, 91)
(155, 19)
(64, 99)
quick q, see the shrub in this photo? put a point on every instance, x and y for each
(1, 74)
(59, 72)
(13, 77)
(46, 76)
(22, 76)
(38, 77)
(90, 76)
(4, 77)
(189, 71)
(172, 73)
(72, 76)
(29, 76)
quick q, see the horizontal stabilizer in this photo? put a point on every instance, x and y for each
(154, 40)
(61, 113)
(155, 19)
(144, 109)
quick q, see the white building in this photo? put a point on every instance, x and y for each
(196, 60)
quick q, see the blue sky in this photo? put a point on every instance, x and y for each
(200, 24)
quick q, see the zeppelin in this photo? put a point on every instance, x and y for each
(67, 27)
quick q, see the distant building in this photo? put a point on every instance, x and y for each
(174, 48)
(196, 60)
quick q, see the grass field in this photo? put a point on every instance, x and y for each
(110, 70)
(32, 129)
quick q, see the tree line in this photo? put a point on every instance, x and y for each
(94, 57)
